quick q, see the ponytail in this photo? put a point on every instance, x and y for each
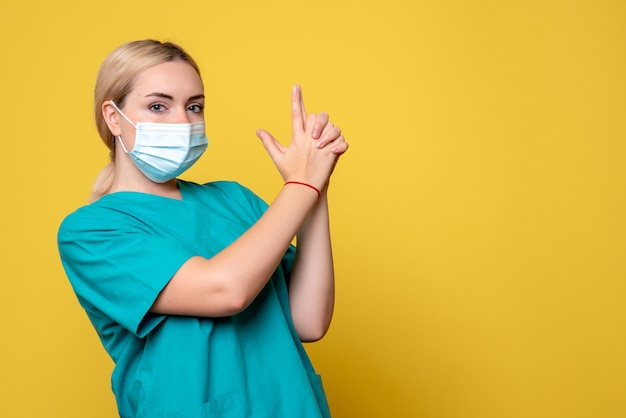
(103, 183)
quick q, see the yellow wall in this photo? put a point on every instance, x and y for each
(478, 218)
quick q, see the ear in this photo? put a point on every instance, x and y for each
(112, 118)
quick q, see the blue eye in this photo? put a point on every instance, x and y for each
(196, 108)
(156, 108)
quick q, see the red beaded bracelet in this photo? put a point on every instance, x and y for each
(319, 194)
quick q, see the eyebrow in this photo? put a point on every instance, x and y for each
(168, 97)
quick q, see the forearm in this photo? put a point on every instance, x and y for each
(229, 281)
(312, 282)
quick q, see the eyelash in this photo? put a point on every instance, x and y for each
(153, 107)
(199, 107)
(195, 108)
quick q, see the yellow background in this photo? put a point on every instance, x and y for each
(478, 217)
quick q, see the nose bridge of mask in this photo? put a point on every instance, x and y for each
(122, 113)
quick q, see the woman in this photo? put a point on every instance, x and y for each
(195, 290)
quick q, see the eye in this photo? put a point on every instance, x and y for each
(157, 107)
(195, 108)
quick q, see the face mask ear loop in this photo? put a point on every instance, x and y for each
(128, 120)
(122, 113)
(122, 144)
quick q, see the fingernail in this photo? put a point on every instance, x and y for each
(319, 144)
(315, 133)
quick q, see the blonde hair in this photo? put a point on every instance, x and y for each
(115, 80)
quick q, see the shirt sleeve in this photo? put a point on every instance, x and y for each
(118, 272)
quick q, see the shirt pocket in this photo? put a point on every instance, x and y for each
(227, 406)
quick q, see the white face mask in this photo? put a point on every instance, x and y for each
(164, 151)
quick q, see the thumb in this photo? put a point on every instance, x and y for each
(274, 148)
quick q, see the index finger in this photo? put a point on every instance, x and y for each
(304, 115)
(297, 110)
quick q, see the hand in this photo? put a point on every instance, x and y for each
(325, 132)
(308, 158)
(331, 134)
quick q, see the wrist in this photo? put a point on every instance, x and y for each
(303, 184)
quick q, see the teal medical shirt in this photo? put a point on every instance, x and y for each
(119, 253)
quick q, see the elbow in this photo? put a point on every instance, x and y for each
(232, 305)
(236, 301)
(312, 332)
(311, 324)
(312, 338)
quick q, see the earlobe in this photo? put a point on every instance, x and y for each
(111, 117)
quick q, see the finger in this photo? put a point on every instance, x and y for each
(329, 134)
(320, 124)
(339, 146)
(297, 114)
(274, 148)
(309, 121)
(302, 108)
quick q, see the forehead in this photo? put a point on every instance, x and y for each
(174, 78)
